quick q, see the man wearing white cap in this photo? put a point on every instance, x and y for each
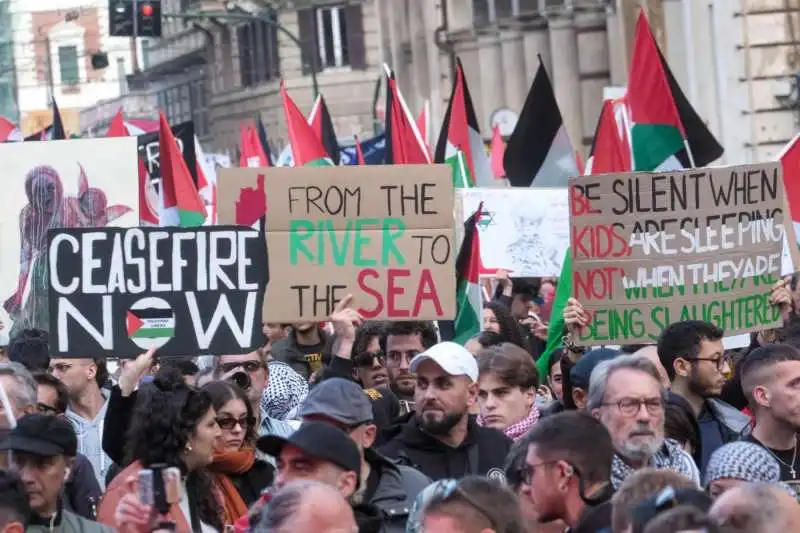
(440, 438)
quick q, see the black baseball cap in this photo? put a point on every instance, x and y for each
(319, 440)
(43, 435)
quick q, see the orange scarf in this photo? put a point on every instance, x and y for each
(225, 464)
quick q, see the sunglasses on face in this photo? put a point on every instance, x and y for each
(249, 366)
(368, 359)
(228, 422)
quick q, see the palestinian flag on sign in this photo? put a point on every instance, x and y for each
(150, 323)
(307, 148)
(469, 301)
(663, 120)
(460, 132)
(539, 152)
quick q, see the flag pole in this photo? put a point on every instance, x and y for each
(689, 153)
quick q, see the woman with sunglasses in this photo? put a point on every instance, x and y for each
(238, 475)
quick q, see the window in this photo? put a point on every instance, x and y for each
(186, 101)
(68, 64)
(486, 12)
(332, 37)
(258, 53)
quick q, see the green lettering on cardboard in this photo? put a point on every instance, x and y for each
(390, 237)
(339, 250)
(362, 241)
(300, 231)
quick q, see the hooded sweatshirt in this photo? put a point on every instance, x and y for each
(482, 452)
(90, 440)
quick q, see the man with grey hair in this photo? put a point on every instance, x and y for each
(626, 395)
(756, 508)
(20, 389)
(306, 506)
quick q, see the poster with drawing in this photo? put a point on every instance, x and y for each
(525, 231)
(77, 183)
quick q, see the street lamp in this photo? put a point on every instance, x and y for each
(235, 13)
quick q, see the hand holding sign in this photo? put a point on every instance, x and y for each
(781, 296)
(575, 317)
(135, 370)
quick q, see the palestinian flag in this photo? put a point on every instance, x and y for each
(53, 132)
(610, 151)
(181, 204)
(307, 148)
(469, 301)
(557, 328)
(117, 128)
(424, 124)
(150, 323)
(460, 132)
(322, 124)
(790, 160)
(404, 144)
(664, 123)
(539, 152)
(458, 166)
(498, 150)
(9, 132)
(262, 137)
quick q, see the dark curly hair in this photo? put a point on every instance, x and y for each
(162, 424)
(509, 329)
(221, 392)
(31, 349)
(425, 329)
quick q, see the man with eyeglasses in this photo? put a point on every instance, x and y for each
(626, 395)
(401, 342)
(251, 373)
(390, 487)
(567, 469)
(88, 403)
(692, 353)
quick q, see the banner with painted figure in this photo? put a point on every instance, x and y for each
(76, 183)
(185, 291)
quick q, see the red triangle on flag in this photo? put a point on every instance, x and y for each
(306, 145)
(117, 128)
(133, 323)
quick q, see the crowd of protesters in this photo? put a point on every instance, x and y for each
(364, 426)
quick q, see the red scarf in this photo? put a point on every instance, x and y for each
(521, 428)
(224, 465)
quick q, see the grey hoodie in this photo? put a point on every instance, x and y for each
(90, 440)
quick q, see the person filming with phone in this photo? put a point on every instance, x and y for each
(171, 441)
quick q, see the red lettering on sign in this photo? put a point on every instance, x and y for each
(397, 282)
(597, 242)
(595, 284)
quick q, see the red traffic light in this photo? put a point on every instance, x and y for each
(147, 10)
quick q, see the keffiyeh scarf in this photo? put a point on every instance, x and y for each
(286, 391)
(521, 428)
(670, 456)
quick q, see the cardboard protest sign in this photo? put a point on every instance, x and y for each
(524, 230)
(650, 249)
(185, 291)
(383, 233)
(56, 184)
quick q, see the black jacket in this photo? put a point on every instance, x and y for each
(287, 351)
(397, 488)
(251, 483)
(483, 450)
(81, 492)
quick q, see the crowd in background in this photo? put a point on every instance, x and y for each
(367, 426)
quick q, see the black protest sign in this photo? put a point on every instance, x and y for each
(149, 151)
(116, 292)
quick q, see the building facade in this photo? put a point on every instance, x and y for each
(53, 45)
(735, 59)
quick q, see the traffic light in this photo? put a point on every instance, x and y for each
(122, 13)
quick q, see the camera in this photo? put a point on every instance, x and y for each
(241, 379)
